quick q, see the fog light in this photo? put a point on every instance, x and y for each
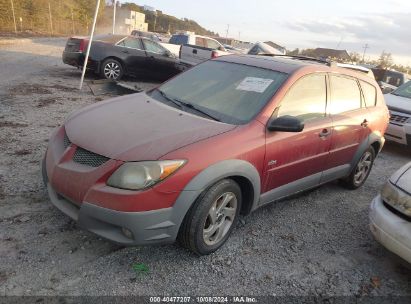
(127, 233)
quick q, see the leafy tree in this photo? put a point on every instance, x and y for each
(385, 61)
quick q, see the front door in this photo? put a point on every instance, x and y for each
(159, 63)
(133, 54)
(295, 161)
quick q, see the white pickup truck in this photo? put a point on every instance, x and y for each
(194, 49)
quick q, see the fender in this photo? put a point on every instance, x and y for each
(209, 176)
(374, 137)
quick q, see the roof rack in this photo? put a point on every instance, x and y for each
(303, 58)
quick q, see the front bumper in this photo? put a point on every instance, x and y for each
(399, 133)
(147, 228)
(390, 230)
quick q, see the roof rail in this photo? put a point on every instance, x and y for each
(303, 58)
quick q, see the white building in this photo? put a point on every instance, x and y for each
(127, 21)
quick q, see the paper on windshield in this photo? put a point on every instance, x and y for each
(254, 84)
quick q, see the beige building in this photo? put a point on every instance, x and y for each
(128, 21)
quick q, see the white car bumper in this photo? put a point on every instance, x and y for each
(392, 231)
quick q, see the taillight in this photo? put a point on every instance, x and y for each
(214, 54)
(82, 46)
(179, 52)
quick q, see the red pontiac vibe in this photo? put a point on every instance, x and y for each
(228, 136)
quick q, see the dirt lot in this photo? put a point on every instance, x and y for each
(315, 244)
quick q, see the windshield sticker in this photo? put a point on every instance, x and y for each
(254, 84)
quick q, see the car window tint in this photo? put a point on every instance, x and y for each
(153, 47)
(234, 93)
(132, 43)
(306, 99)
(200, 41)
(345, 94)
(370, 94)
(212, 44)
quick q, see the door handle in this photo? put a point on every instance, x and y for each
(126, 52)
(364, 124)
(194, 51)
(324, 133)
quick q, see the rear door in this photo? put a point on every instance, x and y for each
(133, 54)
(159, 63)
(298, 159)
(350, 120)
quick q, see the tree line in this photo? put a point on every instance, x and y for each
(75, 17)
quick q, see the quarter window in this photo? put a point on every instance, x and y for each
(370, 94)
(306, 100)
(200, 41)
(345, 94)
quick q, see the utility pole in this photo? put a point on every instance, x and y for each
(14, 16)
(51, 22)
(72, 21)
(226, 34)
(89, 45)
(114, 15)
(366, 46)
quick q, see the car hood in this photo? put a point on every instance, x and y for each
(402, 178)
(137, 127)
(398, 103)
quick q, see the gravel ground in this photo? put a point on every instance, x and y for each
(315, 244)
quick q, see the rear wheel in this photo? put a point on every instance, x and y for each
(112, 69)
(211, 219)
(361, 171)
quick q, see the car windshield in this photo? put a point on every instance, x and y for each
(404, 90)
(232, 93)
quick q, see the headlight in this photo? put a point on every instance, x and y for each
(142, 175)
(396, 198)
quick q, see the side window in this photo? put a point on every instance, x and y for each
(200, 41)
(370, 94)
(345, 94)
(306, 99)
(212, 44)
(153, 47)
(132, 43)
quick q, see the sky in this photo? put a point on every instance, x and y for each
(348, 24)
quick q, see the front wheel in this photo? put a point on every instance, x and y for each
(211, 219)
(361, 171)
(112, 69)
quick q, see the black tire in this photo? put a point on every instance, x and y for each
(351, 182)
(112, 69)
(192, 230)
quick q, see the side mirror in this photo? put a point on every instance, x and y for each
(168, 54)
(285, 124)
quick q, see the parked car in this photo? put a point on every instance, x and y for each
(113, 56)
(195, 54)
(261, 48)
(389, 80)
(178, 40)
(149, 35)
(228, 136)
(399, 104)
(390, 214)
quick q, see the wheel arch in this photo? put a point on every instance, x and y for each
(375, 140)
(242, 172)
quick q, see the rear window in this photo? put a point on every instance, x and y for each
(234, 93)
(179, 39)
(370, 94)
(345, 94)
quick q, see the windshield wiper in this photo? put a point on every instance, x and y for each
(176, 102)
(181, 103)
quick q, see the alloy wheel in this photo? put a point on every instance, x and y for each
(112, 70)
(363, 168)
(220, 218)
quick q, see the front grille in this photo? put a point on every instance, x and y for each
(66, 141)
(395, 118)
(88, 158)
